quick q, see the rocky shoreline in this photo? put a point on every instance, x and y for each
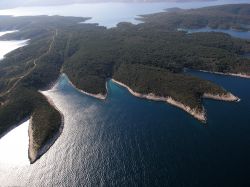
(242, 75)
(97, 96)
(225, 97)
(199, 114)
(195, 112)
(34, 154)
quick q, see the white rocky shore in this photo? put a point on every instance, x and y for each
(32, 144)
(196, 113)
(200, 115)
(35, 154)
(242, 75)
(34, 151)
(98, 96)
(224, 97)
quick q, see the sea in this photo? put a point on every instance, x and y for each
(128, 141)
(8, 46)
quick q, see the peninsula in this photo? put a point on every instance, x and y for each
(148, 59)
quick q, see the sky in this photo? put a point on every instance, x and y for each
(4, 4)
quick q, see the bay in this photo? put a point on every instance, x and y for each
(8, 46)
(231, 32)
(128, 141)
(109, 14)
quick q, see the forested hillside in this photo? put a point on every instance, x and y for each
(149, 57)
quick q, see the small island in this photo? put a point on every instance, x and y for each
(148, 59)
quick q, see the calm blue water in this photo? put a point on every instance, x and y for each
(127, 141)
(233, 33)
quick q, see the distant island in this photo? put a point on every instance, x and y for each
(149, 59)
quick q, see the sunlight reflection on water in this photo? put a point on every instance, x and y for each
(8, 46)
(7, 32)
(14, 146)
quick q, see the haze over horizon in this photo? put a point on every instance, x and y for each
(5, 4)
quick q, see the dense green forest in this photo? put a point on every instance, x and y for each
(149, 57)
(223, 16)
(162, 83)
(29, 69)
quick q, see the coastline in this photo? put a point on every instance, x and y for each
(50, 85)
(33, 154)
(226, 97)
(97, 96)
(15, 126)
(241, 75)
(199, 115)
